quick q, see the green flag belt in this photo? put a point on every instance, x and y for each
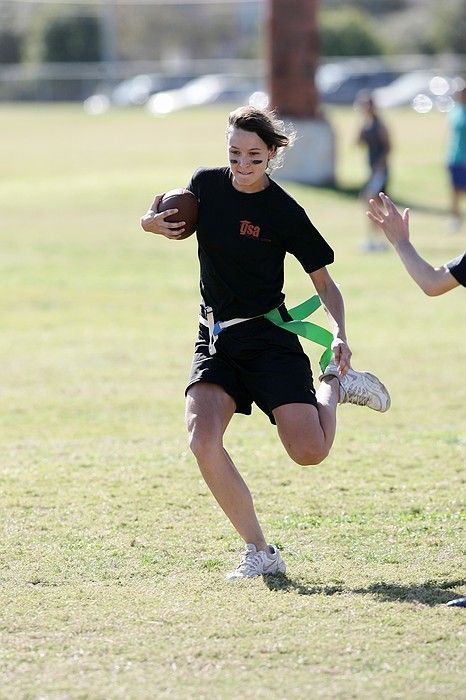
(305, 329)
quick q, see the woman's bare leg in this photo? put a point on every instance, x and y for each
(307, 432)
(209, 410)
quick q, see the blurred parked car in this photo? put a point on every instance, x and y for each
(339, 83)
(204, 90)
(136, 91)
(420, 86)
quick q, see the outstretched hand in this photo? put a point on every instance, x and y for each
(385, 215)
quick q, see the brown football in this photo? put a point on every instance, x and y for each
(186, 203)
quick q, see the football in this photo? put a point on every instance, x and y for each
(186, 203)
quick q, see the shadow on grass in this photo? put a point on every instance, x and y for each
(354, 192)
(430, 593)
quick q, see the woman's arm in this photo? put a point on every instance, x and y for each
(153, 222)
(335, 309)
(432, 280)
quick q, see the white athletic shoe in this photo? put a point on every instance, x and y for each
(258, 563)
(360, 388)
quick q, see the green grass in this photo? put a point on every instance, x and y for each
(113, 552)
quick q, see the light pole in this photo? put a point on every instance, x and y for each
(293, 56)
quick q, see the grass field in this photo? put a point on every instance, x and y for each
(113, 552)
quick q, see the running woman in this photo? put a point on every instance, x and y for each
(247, 224)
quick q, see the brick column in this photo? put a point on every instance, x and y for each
(293, 56)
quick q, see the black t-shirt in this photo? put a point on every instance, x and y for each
(457, 268)
(242, 242)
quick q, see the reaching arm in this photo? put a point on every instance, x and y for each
(335, 309)
(432, 280)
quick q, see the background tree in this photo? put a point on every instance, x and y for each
(349, 32)
(72, 39)
(10, 46)
(450, 26)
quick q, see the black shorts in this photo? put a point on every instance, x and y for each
(255, 361)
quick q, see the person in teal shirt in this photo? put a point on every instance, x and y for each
(456, 156)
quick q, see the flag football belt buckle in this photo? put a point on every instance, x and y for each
(216, 327)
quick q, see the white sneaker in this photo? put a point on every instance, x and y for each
(258, 563)
(360, 388)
